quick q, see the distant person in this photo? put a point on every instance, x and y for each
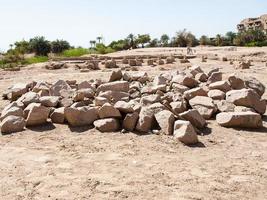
(189, 51)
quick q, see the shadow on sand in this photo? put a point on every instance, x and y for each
(42, 128)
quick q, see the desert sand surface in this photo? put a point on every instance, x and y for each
(62, 163)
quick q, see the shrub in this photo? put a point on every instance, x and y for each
(40, 46)
(59, 46)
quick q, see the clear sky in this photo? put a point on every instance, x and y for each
(80, 21)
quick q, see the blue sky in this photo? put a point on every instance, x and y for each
(80, 21)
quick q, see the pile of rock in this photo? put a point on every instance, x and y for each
(176, 103)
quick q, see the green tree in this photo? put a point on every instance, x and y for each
(230, 36)
(218, 40)
(40, 46)
(184, 39)
(22, 47)
(204, 40)
(131, 39)
(99, 38)
(143, 39)
(154, 43)
(58, 46)
(164, 39)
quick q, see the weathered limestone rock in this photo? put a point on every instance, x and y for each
(185, 132)
(100, 101)
(111, 64)
(204, 105)
(115, 96)
(57, 87)
(243, 109)
(239, 119)
(88, 93)
(107, 125)
(85, 85)
(132, 62)
(202, 77)
(220, 85)
(125, 107)
(214, 77)
(49, 101)
(14, 111)
(194, 70)
(120, 86)
(146, 117)
(224, 106)
(189, 94)
(37, 115)
(81, 116)
(179, 88)
(115, 75)
(248, 98)
(16, 91)
(185, 80)
(216, 94)
(170, 60)
(108, 111)
(243, 65)
(78, 96)
(178, 106)
(29, 97)
(236, 82)
(150, 99)
(12, 124)
(256, 85)
(194, 117)
(165, 120)
(130, 120)
(58, 116)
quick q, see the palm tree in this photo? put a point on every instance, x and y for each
(99, 38)
(91, 43)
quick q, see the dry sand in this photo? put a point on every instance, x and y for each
(58, 162)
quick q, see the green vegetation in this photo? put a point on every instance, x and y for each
(75, 52)
(36, 59)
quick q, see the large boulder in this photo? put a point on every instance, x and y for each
(115, 96)
(115, 75)
(58, 86)
(165, 120)
(37, 115)
(224, 106)
(216, 94)
(220, 85)
(130, 120)
(107, 125)
(253, 83)
(49, 101)
(108, 111)
(15, 111)
(125, 107)
(248, 98)
(178, 107)
(150, 99)
(29, 97)
(16, 91)
(194, 117)
(120, 86)
(146, 117)
(214, 77)
(185, 80)
(58, 115)
(204, 105)
(189, 94)
(12, 124)
(239, 119)
(81, 116)
(236, 82)
(185, 132)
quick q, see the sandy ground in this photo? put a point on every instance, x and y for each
(59, 162)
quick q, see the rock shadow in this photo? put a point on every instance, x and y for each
(42, 128)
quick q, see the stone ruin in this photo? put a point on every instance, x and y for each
(175, 103)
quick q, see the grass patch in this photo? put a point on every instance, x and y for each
(75, 52)
(36, 59)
